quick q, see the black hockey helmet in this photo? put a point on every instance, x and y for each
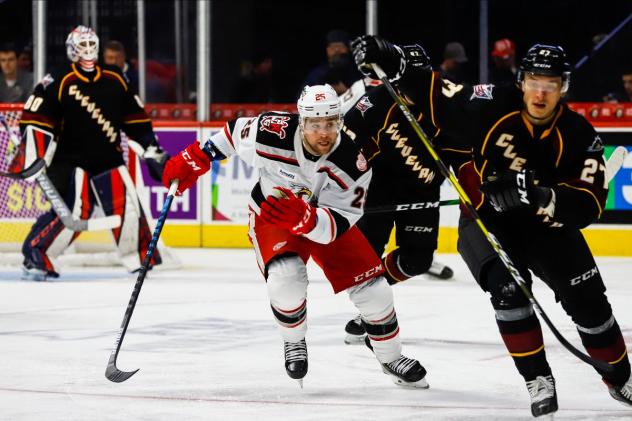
(547, 60)
(416, 56)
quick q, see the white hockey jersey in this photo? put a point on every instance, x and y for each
(336, 182)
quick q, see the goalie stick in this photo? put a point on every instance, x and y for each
(602, 366)
(112, 372)
(613, 165)
(53, 196)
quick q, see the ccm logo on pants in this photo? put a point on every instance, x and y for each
(584, 276)
(368, 274)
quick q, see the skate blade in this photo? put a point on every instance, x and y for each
(419, 384)
(33, 275)
(546, 417)
(354, 339)
(300, 382)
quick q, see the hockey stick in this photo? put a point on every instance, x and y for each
(112, 373)
(602, 366)
(53, 196)
(410, 206)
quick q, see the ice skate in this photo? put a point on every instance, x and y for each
(406, 372)
(296, 360)
(623, 393)
(543, 397)
(355, 332)
(32, 273)
(440, 271)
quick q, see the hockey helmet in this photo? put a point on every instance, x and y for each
(318, 101)
(82, 44)
(416, 56)
(549, 60)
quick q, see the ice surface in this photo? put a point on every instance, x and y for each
(208, 349)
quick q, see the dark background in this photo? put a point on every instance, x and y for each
(293, 34)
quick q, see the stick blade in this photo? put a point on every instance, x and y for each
(615, 162)
(115, 375)
(104, 223)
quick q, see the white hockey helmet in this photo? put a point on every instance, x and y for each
(318, 101)
(82, 44)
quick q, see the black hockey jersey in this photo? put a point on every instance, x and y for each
(400, 161)
(566, 154)
(86, 111)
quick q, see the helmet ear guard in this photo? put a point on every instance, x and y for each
(548, 60)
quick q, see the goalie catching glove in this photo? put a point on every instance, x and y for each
(289, 212)
(189, 164)
(516, 189)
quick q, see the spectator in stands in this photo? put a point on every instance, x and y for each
(338, 58)
(25, 59)
(626, 93)
(257, 83)
(454, 58)
(15, 84)
(504, 60)
(626, 78)
(114, 54)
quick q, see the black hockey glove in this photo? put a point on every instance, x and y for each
(514, 190)
(155, 158)
(369, 49)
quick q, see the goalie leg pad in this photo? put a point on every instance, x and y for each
(48, 236)
(374, 300)
(287, 290)
(117, 195)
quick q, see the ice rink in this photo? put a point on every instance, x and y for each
(208, 348)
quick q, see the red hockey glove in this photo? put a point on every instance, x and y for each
(289, 212)
(187, 166)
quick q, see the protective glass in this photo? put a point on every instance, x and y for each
(539, 85)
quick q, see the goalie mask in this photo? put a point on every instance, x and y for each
(549, 60)
(82, 45)
(319, 101)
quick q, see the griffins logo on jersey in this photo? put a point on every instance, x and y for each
(482, 92)
(274, 124)
(364, 104)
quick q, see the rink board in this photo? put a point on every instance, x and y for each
(214, 212)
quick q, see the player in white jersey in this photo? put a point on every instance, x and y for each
(311, 190)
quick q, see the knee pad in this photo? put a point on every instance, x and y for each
(505, 292)
(287, 282)
(374, 300)
(589, 312)
(403, 263)
(415, 261)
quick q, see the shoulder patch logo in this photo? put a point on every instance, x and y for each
(361, 162)
(597, 145)
(47, 80)
(274, 124)
(363, 104)
(482, 92)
